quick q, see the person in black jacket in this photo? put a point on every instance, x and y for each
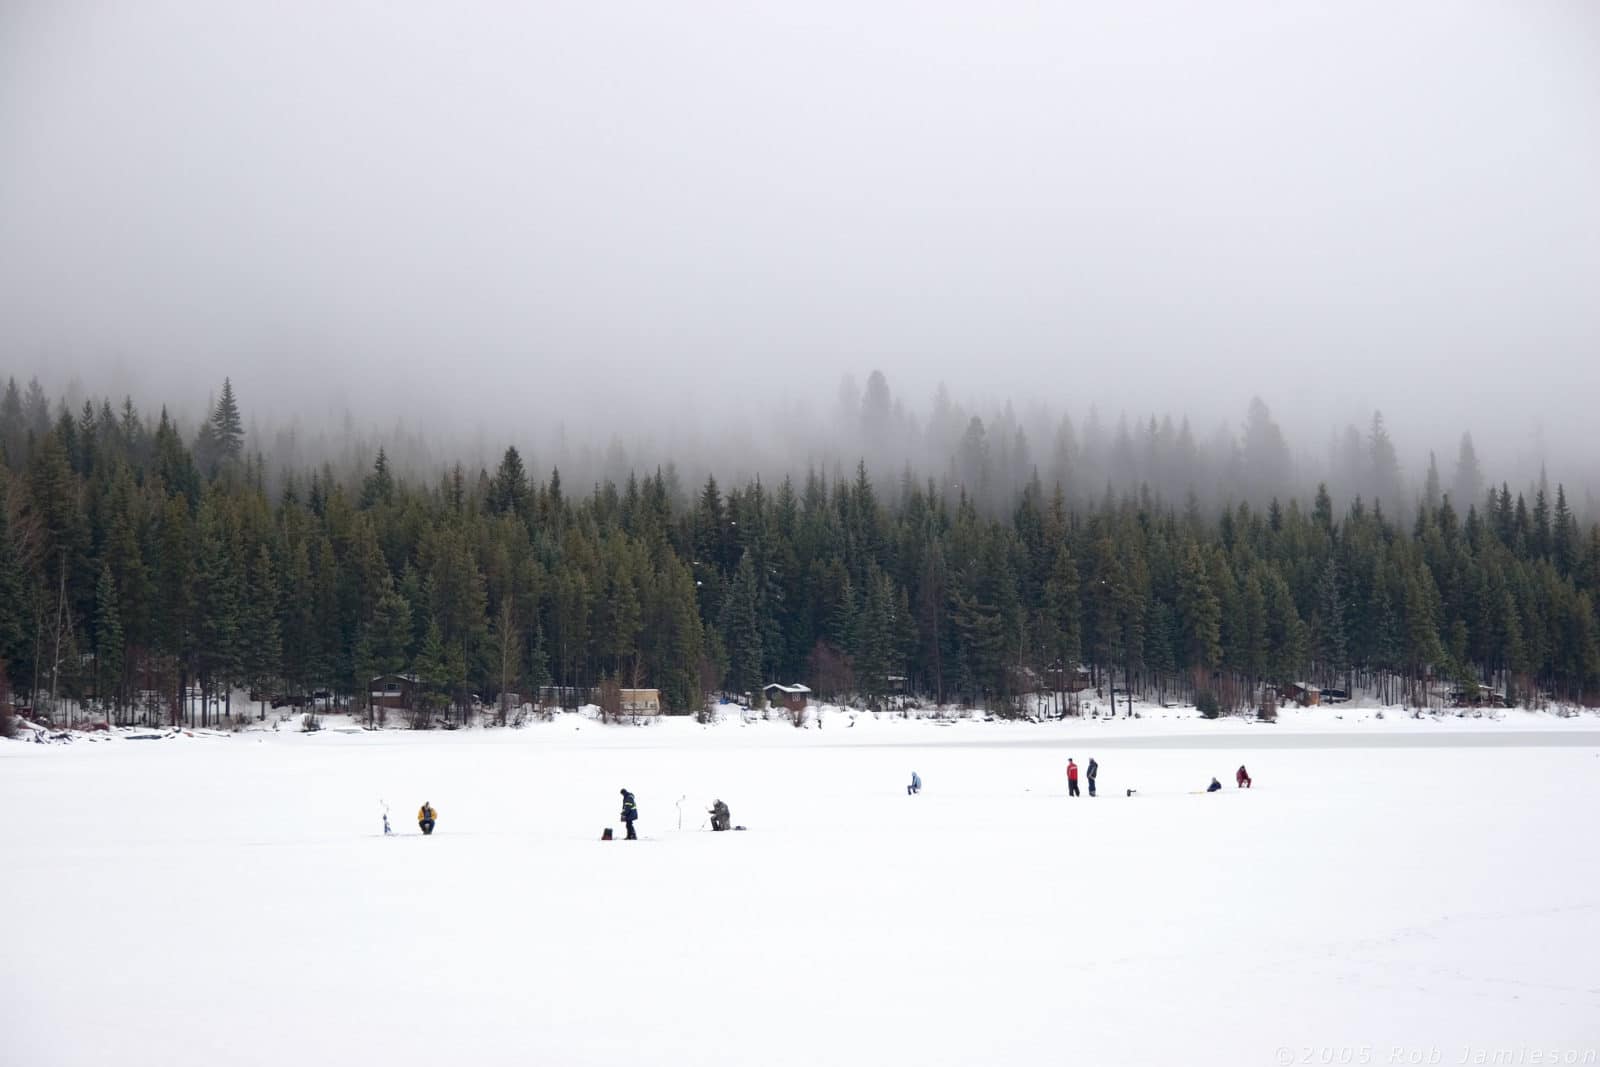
(630, 812)
(1092, 770)
(721, 817)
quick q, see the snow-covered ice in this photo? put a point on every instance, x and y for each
(1395, 887)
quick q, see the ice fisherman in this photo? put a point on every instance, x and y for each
(1072, 778)
(1214, 786)
(916, 784)
(426, 817)
(721, 818)
(630, 812)
(1241, 777)
(1092, 770)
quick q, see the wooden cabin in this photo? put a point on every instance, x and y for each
(790, 697)
(393, 691)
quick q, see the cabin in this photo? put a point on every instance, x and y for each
(393, 691)
(562, 696)
(1483, 696)
(641, 701)
(790, 697)
(1303, 693)
(1069, 679)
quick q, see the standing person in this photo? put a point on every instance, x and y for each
(630, 812)
(1094, 769)
(916, 784)
(1072, 778)
(1242, 777)
(426, 817)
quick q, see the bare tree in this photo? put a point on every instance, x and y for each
(608, 694)
(830, 671)
(509, 641)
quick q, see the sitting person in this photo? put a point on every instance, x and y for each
(426, 817)
(1214, 786)
(916, 784)
(721, 818)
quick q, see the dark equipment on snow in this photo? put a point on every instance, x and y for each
(721, 819)
(605, 835)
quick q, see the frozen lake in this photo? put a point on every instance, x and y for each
(209, 900)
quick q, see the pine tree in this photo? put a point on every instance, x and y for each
(258, 625)
(217, 596)
(379, 485)
(1432, 494)
(508, 493)
(108, 642)
(1331, 644)
(1199, 614)
(16, 601)
(13, 426)
(1286, 635)
(742, 630)
(538, 661)
(1385, 464)
(1467, 486)
(434, 671)
(227, 428)
(1063, 631)
(874, 639)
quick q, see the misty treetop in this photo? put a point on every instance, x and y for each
(136, 566)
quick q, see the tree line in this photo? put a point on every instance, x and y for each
(152, 576)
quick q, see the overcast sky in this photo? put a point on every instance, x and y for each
(486, 209)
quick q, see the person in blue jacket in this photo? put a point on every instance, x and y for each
(915, 786)
(630, 812)
(1214, 786)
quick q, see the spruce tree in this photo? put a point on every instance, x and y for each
(1331, 645)
(258, 625)
(742, 630)
(227, 428)
(108, 643)
(1199, 615)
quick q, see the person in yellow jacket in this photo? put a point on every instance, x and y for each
(426, 816)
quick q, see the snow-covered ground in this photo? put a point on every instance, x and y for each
(1389, 891)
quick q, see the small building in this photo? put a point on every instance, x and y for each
(1303, 693)
(641, 701)
(792, 697)
(393, 691)
(1067, 679)
(562, 696)
(1335, 696)
(1484, 696)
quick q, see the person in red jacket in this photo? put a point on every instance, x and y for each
(1072, 778)
(1241, 777)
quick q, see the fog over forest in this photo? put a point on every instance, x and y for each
(620, 236)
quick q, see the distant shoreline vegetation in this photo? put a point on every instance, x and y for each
(138, 568)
